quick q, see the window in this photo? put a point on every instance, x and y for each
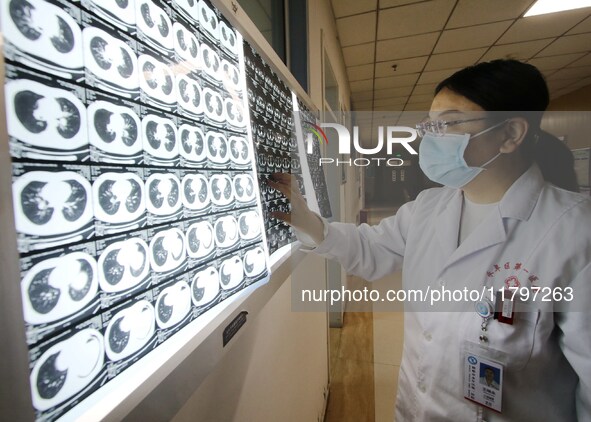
(283, 23)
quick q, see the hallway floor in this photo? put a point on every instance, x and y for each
(365, 355)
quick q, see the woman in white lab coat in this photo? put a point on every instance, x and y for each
(499, 221)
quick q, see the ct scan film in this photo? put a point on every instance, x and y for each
(135, 195)
(271, 112)
(307, 120)
(273, 117)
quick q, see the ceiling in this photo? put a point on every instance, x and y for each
(427, 41)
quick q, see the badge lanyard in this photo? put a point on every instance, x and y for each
(484, 309)
(502, 311)
(483, 363)
(487, 394)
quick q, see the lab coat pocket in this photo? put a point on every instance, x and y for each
(515, 340)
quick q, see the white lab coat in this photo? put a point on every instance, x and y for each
(542, 231)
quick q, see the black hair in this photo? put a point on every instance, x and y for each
(514, 88)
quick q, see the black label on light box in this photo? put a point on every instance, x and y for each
(233, 327)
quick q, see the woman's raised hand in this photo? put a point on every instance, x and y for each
(300, 217)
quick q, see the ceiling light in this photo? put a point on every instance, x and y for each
(542, 7)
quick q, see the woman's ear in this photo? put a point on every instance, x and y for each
(515, 132)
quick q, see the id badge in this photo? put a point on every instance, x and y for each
(483, 375)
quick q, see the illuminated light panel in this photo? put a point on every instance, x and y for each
(543, 7)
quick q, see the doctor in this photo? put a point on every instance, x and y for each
(504, 218)
(489, 378)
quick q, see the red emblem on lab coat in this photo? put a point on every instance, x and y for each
(513, 275)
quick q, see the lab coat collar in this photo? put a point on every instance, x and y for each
(518, 202)
(521, 198)
(448, 222)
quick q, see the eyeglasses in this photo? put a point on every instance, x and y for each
(439, 127)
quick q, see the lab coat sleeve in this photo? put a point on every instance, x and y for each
(308, 244)
(576, 340)
(370, 252)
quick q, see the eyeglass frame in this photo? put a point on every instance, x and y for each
(441, 125)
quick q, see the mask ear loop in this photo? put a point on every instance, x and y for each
(489, 129)
(483, 166)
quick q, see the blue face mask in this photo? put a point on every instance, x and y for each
(442, 158)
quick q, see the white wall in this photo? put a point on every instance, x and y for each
(575, 126)
(321, 20)
(568, 116)
(276, 370)
(322, 35)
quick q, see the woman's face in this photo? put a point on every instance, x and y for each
(448, 105)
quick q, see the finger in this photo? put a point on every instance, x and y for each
(281, 187)
(284, 179)
(281, 177)
(283, 216)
